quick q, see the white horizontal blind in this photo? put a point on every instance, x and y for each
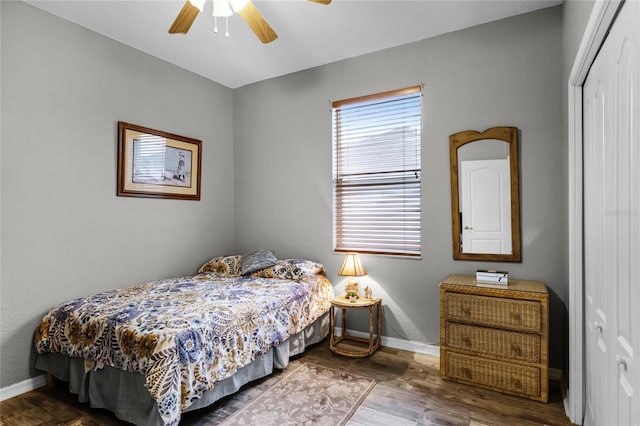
(377, 173)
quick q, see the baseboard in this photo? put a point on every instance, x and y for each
(406, 345)
(564, 389)
(556, 375)
(23, 387)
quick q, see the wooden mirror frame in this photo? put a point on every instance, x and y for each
(457, 140)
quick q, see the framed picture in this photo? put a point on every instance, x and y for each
(155, 164)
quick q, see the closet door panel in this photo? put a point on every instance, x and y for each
(612, 225)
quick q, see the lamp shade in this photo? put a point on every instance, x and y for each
(221, 8)
(352, 267)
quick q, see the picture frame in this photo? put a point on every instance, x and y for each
(156, 164)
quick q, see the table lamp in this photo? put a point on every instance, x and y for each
(351, 267)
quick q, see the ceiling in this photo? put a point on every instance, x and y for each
(310, 34)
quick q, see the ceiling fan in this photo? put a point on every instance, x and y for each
(223, 8)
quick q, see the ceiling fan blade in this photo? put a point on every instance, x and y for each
(321, 1)
(185, 19)
(257, 23)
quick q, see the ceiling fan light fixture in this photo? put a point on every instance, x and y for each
(225, 8)
(221, 8)
(215, 25)
(199, 4)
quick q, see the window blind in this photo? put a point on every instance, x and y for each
(377, 173)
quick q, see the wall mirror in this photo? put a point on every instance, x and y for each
(485, 203)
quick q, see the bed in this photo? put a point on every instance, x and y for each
(151, 352)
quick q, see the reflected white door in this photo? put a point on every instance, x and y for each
(612, 225)
(485, 203)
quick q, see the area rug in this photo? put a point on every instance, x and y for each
(308, 395)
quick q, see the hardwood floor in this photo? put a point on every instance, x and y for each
(409, 392)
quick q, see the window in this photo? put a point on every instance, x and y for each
(377, 173)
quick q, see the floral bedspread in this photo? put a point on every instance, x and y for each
(184, 334)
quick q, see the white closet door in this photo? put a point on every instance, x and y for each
(596, 294)
(612, 225)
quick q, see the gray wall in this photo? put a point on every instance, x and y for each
(503, 73)
(65, 234)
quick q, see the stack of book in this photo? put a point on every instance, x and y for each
(491, 278)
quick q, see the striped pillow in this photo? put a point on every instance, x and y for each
(256, 260)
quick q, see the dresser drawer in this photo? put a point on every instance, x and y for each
(493, 311)
(496, 375)
(510, 345)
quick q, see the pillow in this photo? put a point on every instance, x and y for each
(307, 267)
(290, 269)
(227, 265)
(264, 273)
(256, 260)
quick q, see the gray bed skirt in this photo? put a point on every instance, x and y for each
(125, 395)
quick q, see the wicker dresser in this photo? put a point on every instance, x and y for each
(495, 338)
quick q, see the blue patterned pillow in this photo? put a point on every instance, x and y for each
(256, 260)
